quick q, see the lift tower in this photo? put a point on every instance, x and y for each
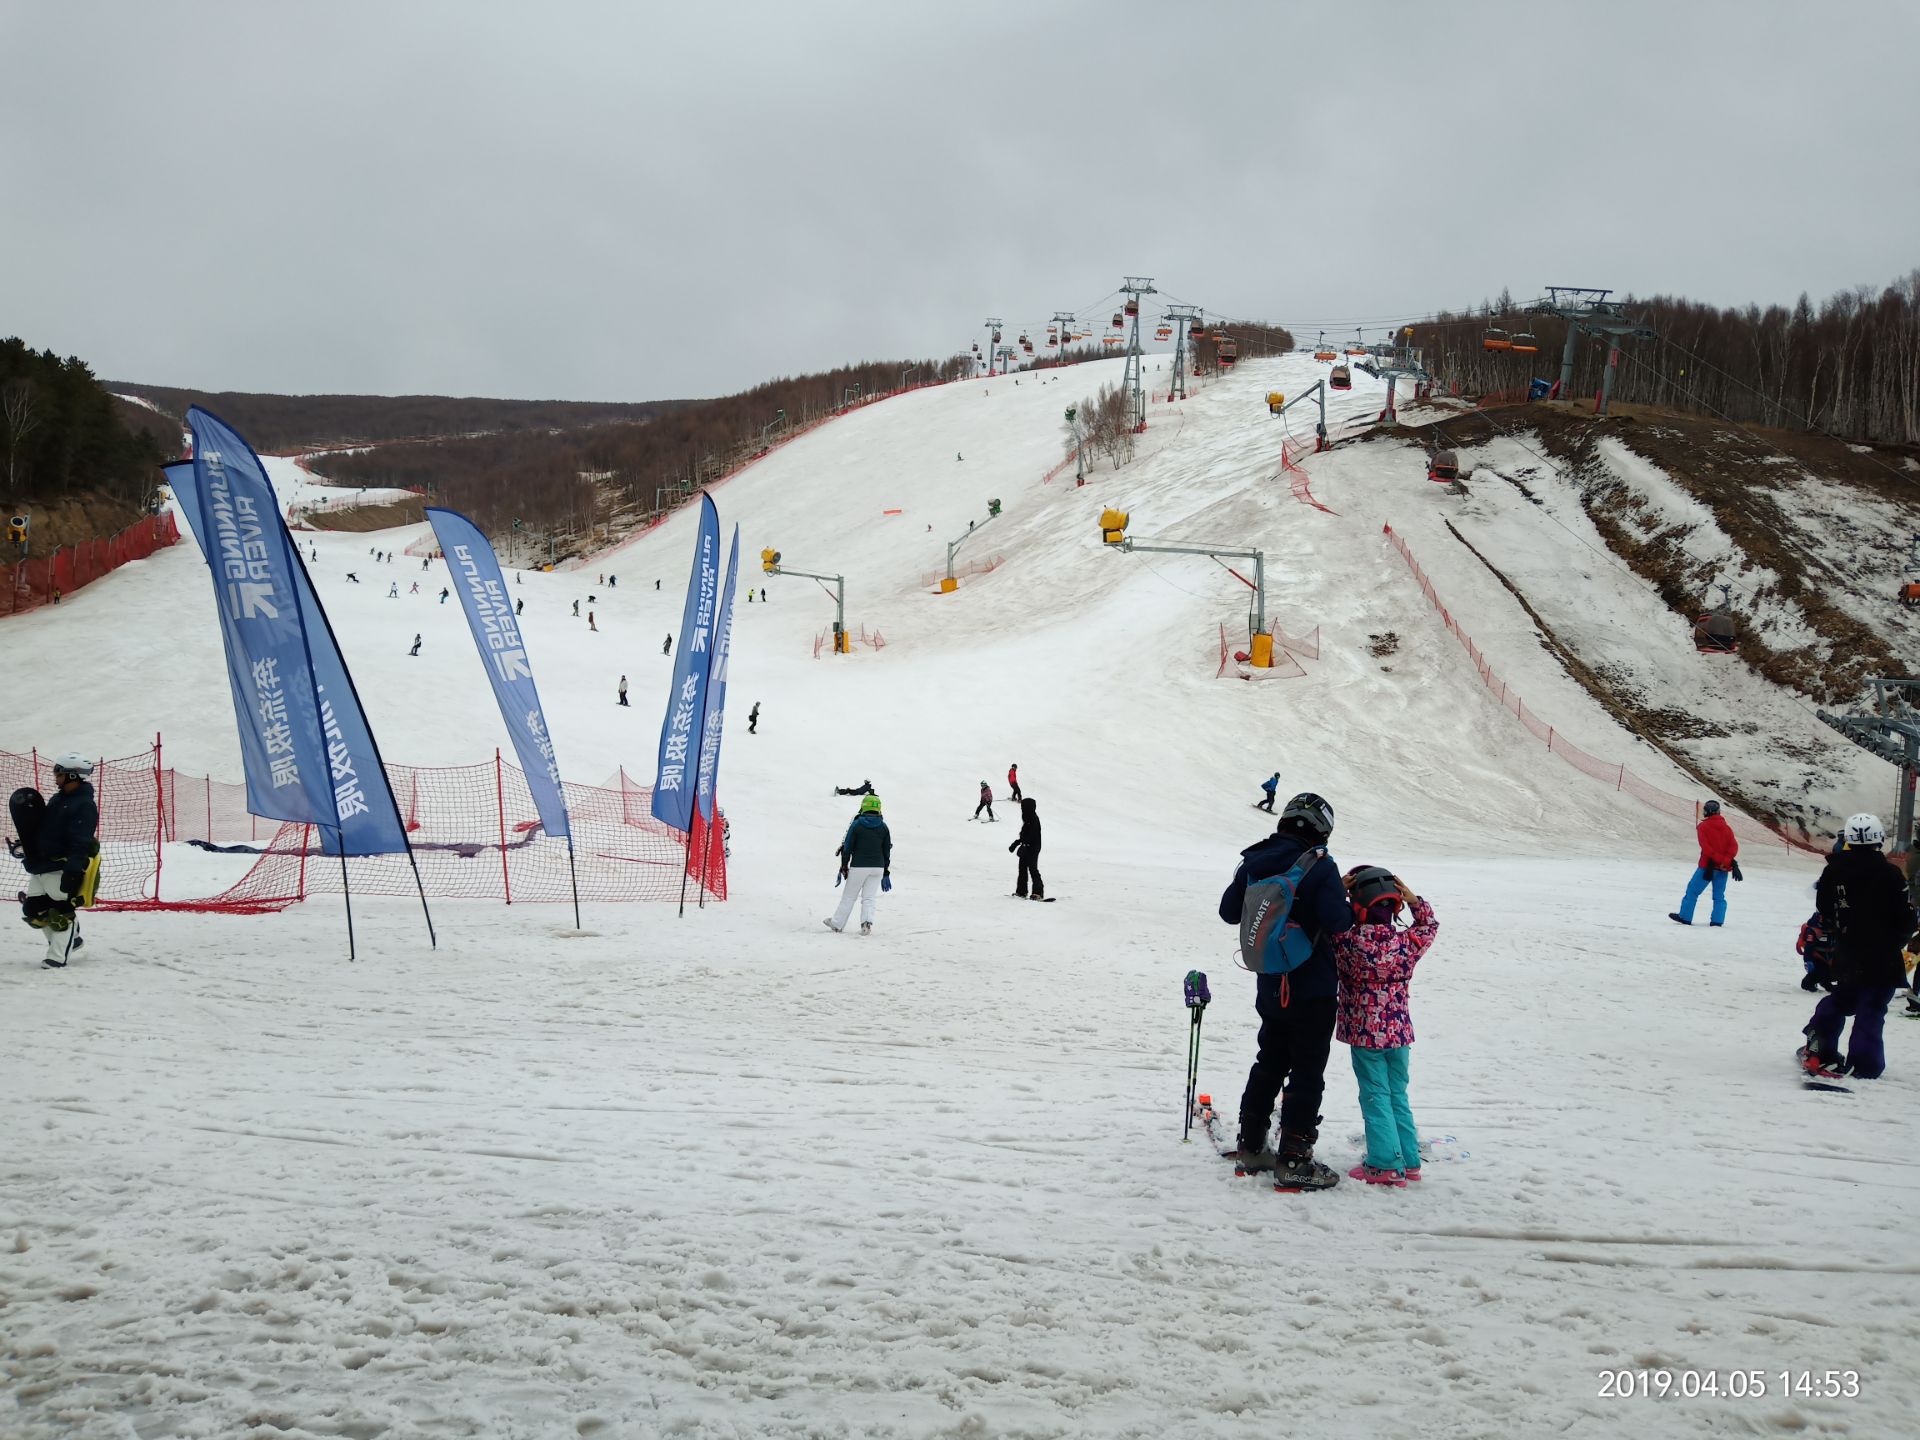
(993, 339)
(1133, 287)
(1390, 362)
(1182, 317)
(1590, 311)
(1891, 730)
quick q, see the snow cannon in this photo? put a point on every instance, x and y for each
(1113, 526)
(770, 561)
(1276, 402)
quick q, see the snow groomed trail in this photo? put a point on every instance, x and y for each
(738, 1176)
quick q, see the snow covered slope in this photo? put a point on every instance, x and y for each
(734, 1175)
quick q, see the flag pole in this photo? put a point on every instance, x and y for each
(574, 876)
(433, 940)
(346, 889)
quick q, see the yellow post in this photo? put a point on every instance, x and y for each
(1262, 653)
(841, 642)
(948, 584)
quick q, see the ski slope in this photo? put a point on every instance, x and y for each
(734, 1175)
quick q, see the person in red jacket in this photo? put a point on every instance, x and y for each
(1719, 858)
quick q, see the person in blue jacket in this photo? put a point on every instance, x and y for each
(1272, 787)
(1296, 1009)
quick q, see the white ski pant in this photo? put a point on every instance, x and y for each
(59, 942)
(862, 882)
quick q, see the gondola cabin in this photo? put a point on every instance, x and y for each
(1132, 307)
(1198, 329)
(996, 337)
(1119, 320)
(1496, 339)
(1443, 466)
(1053, 338)
(1716, 633)
(1341, 378)
(1229, 353)
(1163, 333)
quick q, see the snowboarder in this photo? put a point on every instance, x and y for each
(763, 594)
(1864, 902)
(753, 715)
(1296, 1009)
(416, 646)
(1013, 782)
(1719, 852)
(958, 456)
(866, 866)
(613, 582)
(353, 577)
(590, 625)
(656, 584)
(444, 593)
(393, 591)
(1026, 846)
(61, 856)
(623, 690)
(865, 787)
(666, 647)
(986, 801)
(519, 606)
(576, 609)
(1375, 961)
(601, 581)
(1272, 787)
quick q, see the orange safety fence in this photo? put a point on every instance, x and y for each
(1290, 454)
(872, 639)
(972, 567)
(1616, 775)
(29, 584)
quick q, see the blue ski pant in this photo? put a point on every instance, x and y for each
(1867, 1004)
(1392, 1141)
(1701, 879)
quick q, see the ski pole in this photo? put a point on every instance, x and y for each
(1197, 997)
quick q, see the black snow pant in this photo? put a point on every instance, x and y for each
(986, 805)
(1013, 792)
(1266, 804)
(1029, 869)
(1295, 1040)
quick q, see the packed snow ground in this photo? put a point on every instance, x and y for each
(734, 1175)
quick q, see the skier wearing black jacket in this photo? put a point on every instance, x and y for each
(1027, 847)
(56, 856)
(1297, 1009)
(1864, 905)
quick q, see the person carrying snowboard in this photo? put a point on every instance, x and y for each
(57, 845)
(1013, 782)
(1719, 857)
(1296, 1008)
(866, 866)
(865, 787)
(986, 801)
(1375, 960)
(753, 716)
(1864, 902)
(1027, 847)
(1272, 787)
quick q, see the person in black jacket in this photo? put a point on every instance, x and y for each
(866, 866)
(56, 856)
(1027, 846)
(1297, 1009)
(1864, 904)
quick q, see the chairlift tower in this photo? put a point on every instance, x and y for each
(993, 339)
(1591, 311)
(1063, 321)
(1133, 287)
(1390, 362)
(1182, 317)
(1891, 730)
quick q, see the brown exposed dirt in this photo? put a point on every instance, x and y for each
(69, 520)
(363, 518)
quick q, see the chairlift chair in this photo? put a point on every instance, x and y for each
(1496, 339)
(1340, 377)
(1524, 344)
(1326, 356)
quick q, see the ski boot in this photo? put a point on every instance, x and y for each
(1250, 1156)
(1374, 1175)
(1296, 1170)
(1817, 1065)
(866, 927)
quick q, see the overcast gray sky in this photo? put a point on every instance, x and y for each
(626, 201)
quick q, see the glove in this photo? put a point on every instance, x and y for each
(1013, 847)
(1736, 871)
(886, 880)
(838, 878)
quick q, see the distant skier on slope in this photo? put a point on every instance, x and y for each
(1026, 847)
(866, 866)
(416, 646)
(1272, 787)
(1864, 903)
(623, 690)
(519, 606)
(986, 801)
(666, 647)
(1719, 857)
(1296, 1008)
(865, 787)
(393, 591)
(57, 846)
(1013, 782)
(753, 715)
(590, 623)
(444, 593)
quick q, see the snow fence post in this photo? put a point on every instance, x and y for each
(500, 798)
(159, 817)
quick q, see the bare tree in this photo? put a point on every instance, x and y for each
(20, 407)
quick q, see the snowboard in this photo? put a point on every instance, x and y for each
(1434, 1149)
(1044, 899)
(1810, 1081)
(26, 807)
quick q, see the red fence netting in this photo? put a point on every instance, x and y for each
(30, 584)
(1618, 776)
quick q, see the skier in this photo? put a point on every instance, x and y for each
(1296, 1009)
(866, 866)
(1027, 847)
(1815, 947)
(61, 857)
(986, 801)
(763, 594)
(576, 609)
(623, 690)
(519, 606)
(393, 591)
(353, 577)
(1013, 782)
(416, 646)
(590, 625)
(613, 582)
(666, 647)
(1375, 961)
(753, 715)
(865, 787)
(1718, 858)
(444, 593)
(749, 597)
(656, 584)
(601, 581)
(958, 456)
(416, 588)
(1272, 787)
(425, 563)
(1864, 902)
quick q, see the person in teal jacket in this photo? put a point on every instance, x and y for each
(866, 866)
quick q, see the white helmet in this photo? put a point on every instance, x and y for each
(1864, 830)
(73, 764)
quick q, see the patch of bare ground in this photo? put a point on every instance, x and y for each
(363, 518)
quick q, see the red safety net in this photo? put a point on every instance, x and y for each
(474, 830)
(983, 566)
(1290, 454)
(1618, 776)
(30, 584)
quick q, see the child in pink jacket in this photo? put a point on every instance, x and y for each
(1376, 960)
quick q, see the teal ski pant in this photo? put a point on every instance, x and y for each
(1392, 1142)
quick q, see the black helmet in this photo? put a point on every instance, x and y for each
(1367, 885)
(1712, 807)
(1310, 813)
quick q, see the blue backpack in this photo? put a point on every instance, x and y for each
(1272, 942)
